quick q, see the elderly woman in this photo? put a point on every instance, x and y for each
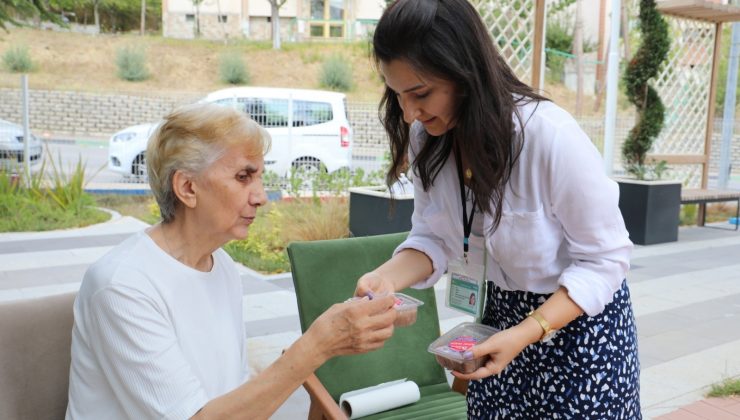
(158, 330)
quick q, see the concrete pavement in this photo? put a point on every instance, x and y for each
(686, 297)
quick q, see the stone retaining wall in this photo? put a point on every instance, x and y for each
(102, 114)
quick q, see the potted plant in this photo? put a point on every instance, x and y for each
(373, 211)
(650, 207)
(376, 210)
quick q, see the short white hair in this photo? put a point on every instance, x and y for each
(191, 139)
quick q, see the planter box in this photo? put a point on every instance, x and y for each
(651, 210)
(370, 211)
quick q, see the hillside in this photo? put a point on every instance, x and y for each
(72, 61)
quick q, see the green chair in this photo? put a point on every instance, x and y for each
(325, 273)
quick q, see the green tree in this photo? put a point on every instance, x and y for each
(14, 11)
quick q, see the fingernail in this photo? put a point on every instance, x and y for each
(468, 355)
(370, 295)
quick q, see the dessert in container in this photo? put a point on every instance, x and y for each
(406, 306)
(449, 349)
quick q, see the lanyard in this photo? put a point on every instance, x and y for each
(467, 223)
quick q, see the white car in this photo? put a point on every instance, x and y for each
(12, 147)
(309, 128)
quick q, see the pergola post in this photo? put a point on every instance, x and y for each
(538, 58)
(700, 214)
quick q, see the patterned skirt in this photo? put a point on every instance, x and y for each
(589, 370)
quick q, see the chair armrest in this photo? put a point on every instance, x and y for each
(460, 385)
(321, 398)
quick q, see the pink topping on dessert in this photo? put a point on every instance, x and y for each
(462, 343)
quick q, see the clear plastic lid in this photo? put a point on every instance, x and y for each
(454, 343)
(403, 302)
(406, 302)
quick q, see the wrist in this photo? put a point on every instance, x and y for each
(531, 330)
(310, 345)
(384, 281)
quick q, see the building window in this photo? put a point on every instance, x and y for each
(189, 17)
(223, 18)
(327, 18)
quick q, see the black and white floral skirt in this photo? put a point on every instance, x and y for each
(589, 370)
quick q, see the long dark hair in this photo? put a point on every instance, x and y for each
(447, 39)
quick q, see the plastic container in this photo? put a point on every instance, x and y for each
(449, 348)
(407, 308)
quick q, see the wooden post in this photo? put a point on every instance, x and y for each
(710, 117)
(538, 59)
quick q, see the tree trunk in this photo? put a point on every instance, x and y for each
(275, 24)
(143, 18)
(578, 47)
(197, 19)
(96, 13)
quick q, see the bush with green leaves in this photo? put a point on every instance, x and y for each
(131, 64)
(643, 67)
(336, 74)
(17, 59)
(43, 201)
(232, 70)
(559, 37)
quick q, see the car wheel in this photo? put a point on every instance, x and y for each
(138, 168)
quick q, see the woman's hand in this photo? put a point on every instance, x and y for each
(372, 284)
(353, 327)
(503, 347)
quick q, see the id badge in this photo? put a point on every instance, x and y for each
(465, 287)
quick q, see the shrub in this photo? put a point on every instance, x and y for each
(643, 67)
(282, 222)
(17, 59)
(131, 63)
(37, 202)
(232, 70)
(559, 40)
(336, 74)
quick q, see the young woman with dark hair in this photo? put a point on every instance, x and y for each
(510, 195)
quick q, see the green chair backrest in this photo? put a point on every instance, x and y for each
(325, 273)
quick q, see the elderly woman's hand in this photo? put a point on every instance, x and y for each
(353, 327)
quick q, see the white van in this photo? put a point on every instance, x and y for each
(309, 128)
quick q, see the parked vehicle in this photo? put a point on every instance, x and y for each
(12, 147)
(309, 130)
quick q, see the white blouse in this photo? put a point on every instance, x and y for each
(560, 225)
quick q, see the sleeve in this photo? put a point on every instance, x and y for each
(421, 237)
(586, 202)
(136, 346)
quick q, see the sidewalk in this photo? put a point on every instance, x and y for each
(686, 298)
(708, 409)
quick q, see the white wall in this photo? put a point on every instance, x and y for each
(208, 6)
(369, 9)
(262, 8)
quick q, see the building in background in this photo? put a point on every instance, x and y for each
(300, 20)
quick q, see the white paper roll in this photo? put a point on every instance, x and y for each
(374, 399)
